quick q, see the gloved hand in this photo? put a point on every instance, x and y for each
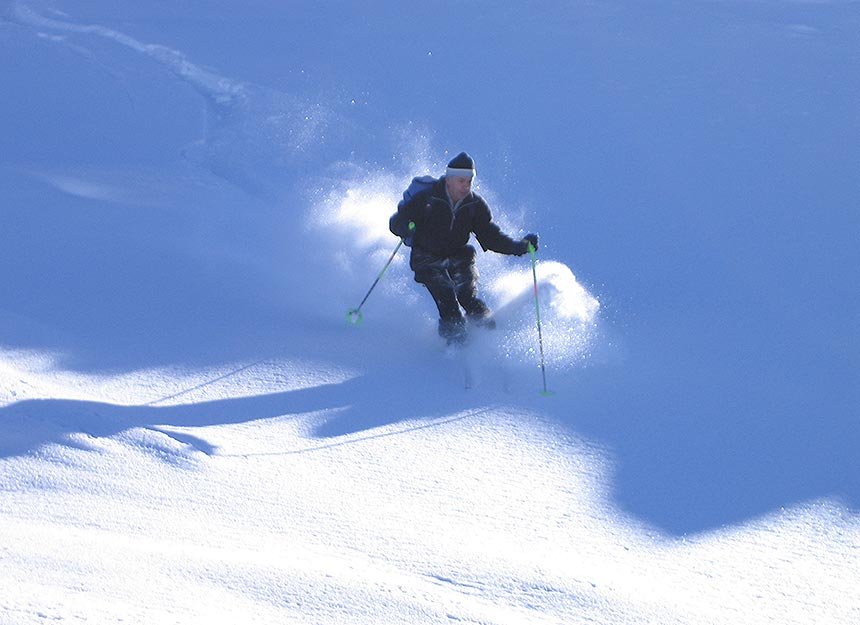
(407, 240)
(529, 238)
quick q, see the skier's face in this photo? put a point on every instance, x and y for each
(458, 187)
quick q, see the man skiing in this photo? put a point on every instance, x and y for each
(444, 217)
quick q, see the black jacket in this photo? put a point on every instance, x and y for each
(441, 232)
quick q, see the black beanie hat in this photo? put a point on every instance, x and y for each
(462, 165)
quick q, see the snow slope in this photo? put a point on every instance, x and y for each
(195, 193)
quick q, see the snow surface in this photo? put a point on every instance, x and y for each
(195, 193)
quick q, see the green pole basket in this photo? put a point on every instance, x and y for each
(354, 316)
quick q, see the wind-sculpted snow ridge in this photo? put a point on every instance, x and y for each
(220, 89)
(253, 133)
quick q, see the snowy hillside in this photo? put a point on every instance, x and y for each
(195, 193)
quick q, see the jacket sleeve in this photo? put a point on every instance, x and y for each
(399, 222)
(491, 237)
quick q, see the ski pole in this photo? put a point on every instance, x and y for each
(354, 315)
(537, 313)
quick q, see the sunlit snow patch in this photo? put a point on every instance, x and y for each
(353, 218)
(364, 212)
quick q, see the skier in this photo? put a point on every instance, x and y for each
(444, 216)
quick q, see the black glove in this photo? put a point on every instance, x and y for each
(407, 240)
(529, 238)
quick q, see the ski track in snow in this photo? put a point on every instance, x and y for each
(253, 132)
